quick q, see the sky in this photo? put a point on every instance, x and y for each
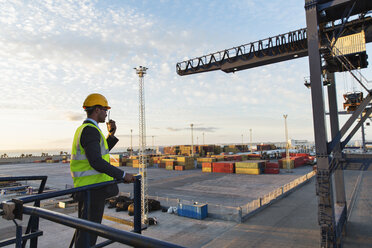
(55, 53)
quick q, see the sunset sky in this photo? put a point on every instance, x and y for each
(54, 53)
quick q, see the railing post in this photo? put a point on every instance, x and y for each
(18, 235)
(34, 225)
(137, 205)
(240, 214)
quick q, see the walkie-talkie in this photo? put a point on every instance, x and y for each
(108, 121)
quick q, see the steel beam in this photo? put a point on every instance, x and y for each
(334, 122)
(332, 4)
(355, 129)
(25, 237)
(333, 10)
(326, 214)
(337, 139)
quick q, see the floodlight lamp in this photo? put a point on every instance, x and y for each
(307, 82)
(326, 82)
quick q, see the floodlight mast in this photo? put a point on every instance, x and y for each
(141, 71)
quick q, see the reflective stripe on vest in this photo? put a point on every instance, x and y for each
(84, 173)
(81, 171)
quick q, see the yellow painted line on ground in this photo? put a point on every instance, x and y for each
(118, 220)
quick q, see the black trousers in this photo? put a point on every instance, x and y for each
(97, 207)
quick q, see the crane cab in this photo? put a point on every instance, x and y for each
(352, 100)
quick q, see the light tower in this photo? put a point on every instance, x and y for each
(153, 147)
(131, 142)
(192, 139)
(287, 144)
(250, 139)
(203, 139)
(141, 71)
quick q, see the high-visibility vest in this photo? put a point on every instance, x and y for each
(81, 171)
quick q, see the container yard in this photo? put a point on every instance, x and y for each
(223, 201)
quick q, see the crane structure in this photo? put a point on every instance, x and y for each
(141, 71)
(327, 21)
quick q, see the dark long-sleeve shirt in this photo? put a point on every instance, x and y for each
(90, 141)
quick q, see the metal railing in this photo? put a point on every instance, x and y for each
(32, 231)
(269, 197)
(15, 209)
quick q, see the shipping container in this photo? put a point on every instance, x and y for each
(162, 165)
(179, 167)
(116, 157)
(206, 167)
(272, 165)
(223, 167)
(254, 156)
(271, 171)
(284, 165)
(116, 164)
(195, 211)
(249, 171)
(207, 160)
(252, 164)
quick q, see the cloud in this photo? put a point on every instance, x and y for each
(71, 116)
(125, 136)
(206, 129)
(175, 129)
(202, 129)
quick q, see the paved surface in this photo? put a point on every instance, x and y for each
(359, 228)
(193, 185)
(290, 222)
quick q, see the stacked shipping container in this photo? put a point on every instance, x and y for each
(223, 167)
(252, 167)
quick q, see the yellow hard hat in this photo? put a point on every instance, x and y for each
(95, 99)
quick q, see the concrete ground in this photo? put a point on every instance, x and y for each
(193, 185)
(290, 222)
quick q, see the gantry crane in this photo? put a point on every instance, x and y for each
(327, 22)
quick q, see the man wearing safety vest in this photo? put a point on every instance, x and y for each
(90, 162)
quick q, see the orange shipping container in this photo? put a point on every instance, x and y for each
(179, 167)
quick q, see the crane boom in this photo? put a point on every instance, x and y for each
(275, 49)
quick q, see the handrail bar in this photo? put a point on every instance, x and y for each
(48, 195)
(121, 236)
(22, 178)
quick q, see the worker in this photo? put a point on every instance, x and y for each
(90, 163)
